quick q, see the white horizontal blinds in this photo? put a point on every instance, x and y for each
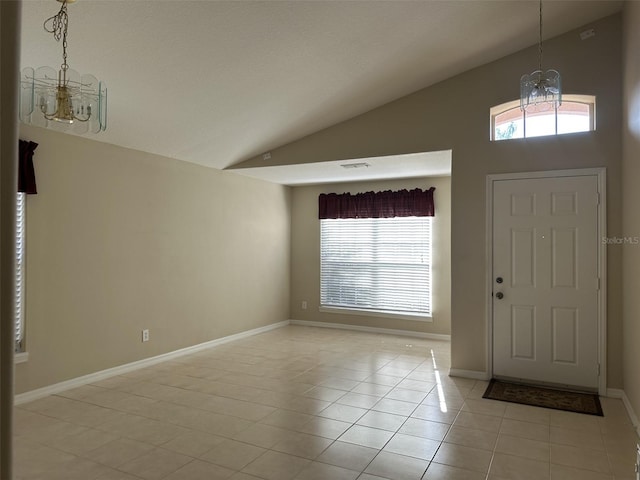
(379, 264)
(20, 251)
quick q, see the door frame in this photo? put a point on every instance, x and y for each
(601, 175)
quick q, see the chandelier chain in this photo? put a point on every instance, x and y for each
(58, 25)
(540, 41)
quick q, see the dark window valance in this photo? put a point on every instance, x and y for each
(26, 172)
(387, 204)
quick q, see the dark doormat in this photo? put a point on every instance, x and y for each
(544, 397)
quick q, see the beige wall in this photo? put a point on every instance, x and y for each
(119, 240)
(631, 203)
(305, 255)
(454, 114)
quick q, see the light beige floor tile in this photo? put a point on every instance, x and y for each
(199, 470)
(397, 467)
(387, 380)
(374, 389)
(397, 407)
(232, 454)
(262, 435)
(287, 419)
(484, 406)
(54, 431)
(412, 396)
(122, 450)
(435, 398)
(622, 463)
(348, 455)
(620, 441)
(322, 471)
(276, 466)
(435, 414)
(418, 385)
(561, 472)
(243, 476)
(583, 458)
(410, 446)
(478, 421)
(463, 457)
(358, 400)
(324, 427)
(424, 429)
(469, 437)
(76, 469)
(339, 383)
(83, 442)
(381, 420)
(577, 438)
(324, 393)
(437, 471)
(156, 464)
(343, 413)
(193, 443)
(194, 405)
(366, 436)
(526, 413)
(517, 468)
(614, 408)
(116, 475)
(532, 431)
(575, 421)
(82, 392)
(523, 447)
(302, 445)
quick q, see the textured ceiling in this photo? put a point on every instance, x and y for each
(216, 82)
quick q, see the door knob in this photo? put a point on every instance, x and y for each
(499, 295)
(499, 280)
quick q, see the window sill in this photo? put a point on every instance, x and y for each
(373, 313)
(22, 357)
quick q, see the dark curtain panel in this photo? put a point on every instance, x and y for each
(26, 173)
(387, 204)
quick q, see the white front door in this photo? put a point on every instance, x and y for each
(545, 280)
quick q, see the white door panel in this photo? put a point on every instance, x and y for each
(545, 250)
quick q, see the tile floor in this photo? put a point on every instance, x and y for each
(312, 404)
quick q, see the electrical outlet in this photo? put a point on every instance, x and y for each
(145, 335)
(304, 304)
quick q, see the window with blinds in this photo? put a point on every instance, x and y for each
(380, 265)
(20, 251)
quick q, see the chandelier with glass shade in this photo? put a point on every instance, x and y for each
(540, 90)
(62, 100)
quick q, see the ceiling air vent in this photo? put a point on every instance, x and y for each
(355, 165)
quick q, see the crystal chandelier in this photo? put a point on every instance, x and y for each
(64, 100)
(540, 91)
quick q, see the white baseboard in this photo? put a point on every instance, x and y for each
(617, 393)
(129, 367)
(388, 331)
(631, 412)
(614, 393)
(473, 374)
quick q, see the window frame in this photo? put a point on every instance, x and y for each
(384, 313)
(19, 293)
(589, 100)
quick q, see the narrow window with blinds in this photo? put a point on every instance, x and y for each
(380, 265)
(20, 251)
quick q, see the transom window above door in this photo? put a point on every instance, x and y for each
(576, 114)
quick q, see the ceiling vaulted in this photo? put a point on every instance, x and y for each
(215, 82)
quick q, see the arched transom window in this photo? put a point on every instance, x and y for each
(576, 114)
